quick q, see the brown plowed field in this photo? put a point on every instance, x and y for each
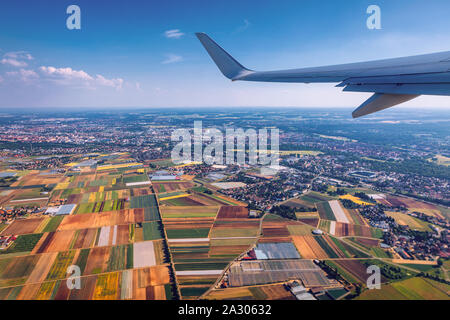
(96, 220)
(22, 226)
(232, 212)
(160, 187)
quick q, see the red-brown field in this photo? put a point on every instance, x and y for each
(161, 187)
(55, 241)
(188, 224)
(232, 212)
(182, 202)
(227, 250)
(368, 242)
(85, 238)
(357, 269)
(135, 192)
(97, 261)
(313, 222)
(345, 229)
(279, 231)
(96, 220)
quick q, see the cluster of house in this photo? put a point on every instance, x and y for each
(7, 241)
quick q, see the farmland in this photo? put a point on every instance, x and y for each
(114, 235)
(133, 238)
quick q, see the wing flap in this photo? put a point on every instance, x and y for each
(442, 89)
(381, 101)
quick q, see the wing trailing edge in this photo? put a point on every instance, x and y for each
(381, 101)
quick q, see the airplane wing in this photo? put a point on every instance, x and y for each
(393, 81)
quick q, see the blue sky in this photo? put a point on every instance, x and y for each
(144, 53)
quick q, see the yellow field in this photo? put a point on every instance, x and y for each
(118, 166)
(62, 185)
(188, 164)
(421, 262)
(71, 164)
(175, 197)
(355, 199)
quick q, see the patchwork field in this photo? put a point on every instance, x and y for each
(136, 239)
(344, 229)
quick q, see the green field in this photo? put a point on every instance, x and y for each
(200, 266)
(193, 291)
(143, 201)
(152, 230)
(135, 178)
(236, 232)
(117, 259)
(373, 250)
(409, 289)
(23, 243)
(187, 233)
(325, 211)
(82, 259)
(300, 230)
(53, 224)
(151, 213)
(349, 251)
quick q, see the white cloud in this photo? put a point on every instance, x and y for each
(244, 26)
(174, 34)
(172, 58)
(16, 58)
(69, 76)
(115, 83)
(1, 79)
(23, 74)
(21, 55)
(13, 62)
(65, 73)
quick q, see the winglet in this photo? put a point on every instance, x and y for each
(229, 67)
(381, 101)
